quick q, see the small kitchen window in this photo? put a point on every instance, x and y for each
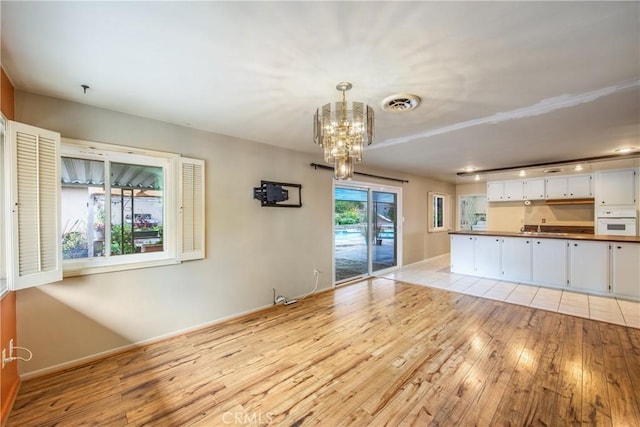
(439, 212)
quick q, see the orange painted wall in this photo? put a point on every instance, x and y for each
(9, 380)
(7, 103)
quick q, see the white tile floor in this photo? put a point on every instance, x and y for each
(435, 273)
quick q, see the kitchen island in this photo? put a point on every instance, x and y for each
(597, 264)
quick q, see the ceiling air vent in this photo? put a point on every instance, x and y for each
(554, 170)
(400, 103)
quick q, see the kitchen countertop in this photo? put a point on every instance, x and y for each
(548, 235)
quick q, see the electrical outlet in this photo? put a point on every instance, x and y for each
(544, 220)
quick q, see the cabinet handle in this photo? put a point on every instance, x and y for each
(527, 241)
(575, 244)
(538, 242)
(497, 240)
(619, 247)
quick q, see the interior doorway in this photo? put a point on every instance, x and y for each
(472, 212)
(367, 230)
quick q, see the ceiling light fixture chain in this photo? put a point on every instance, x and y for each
(342, 131)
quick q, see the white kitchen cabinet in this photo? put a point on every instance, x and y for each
(487, 256)
(589, 265)
(513, 190)
(580, 186)
(505, 191)
(569, 187)
(556, 187)
(625, 266)
(495, 191)
(516, 259)
(594, 266)
(462, 254)
(549, 262)
(616, 187)
(534, 189)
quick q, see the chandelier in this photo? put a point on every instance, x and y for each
(343, 131)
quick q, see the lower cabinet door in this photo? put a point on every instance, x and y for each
(589, 265)
(549, 262)
(462, 257)
(516, 259)
(626, 269)
(487, 256)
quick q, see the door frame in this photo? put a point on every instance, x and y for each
(370, 187)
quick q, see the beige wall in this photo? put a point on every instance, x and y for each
(511, 216)
(558, 214)
(250, 249)
(505, 216)
(471, 188)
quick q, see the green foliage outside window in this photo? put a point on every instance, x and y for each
(348, 212)
(120, 245)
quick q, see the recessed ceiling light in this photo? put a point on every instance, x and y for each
(469, 169)
(625, 149)
(477, 178)
(578, 167)
(522, 173)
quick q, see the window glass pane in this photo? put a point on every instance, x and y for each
(83, 218)
(439, 211)
(137, 207)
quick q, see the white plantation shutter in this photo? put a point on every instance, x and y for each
(192, 215)
(35, 205)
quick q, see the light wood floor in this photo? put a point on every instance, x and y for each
(378, 352)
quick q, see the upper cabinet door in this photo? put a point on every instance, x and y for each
(579, 186)
(513, 190)
(495, 191)
(34, 175)
(569, 187)
(534, 189)
(557, 187)
(616, 187)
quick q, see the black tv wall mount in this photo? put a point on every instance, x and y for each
(278, 194)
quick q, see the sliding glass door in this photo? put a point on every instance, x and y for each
(385, 232)
(367, 235)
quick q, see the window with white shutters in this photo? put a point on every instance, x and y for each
(128, 208)
(192, 208)
(34, 204)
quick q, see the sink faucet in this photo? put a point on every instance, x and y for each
(539, 228)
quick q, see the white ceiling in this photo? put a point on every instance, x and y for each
(502, 83)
